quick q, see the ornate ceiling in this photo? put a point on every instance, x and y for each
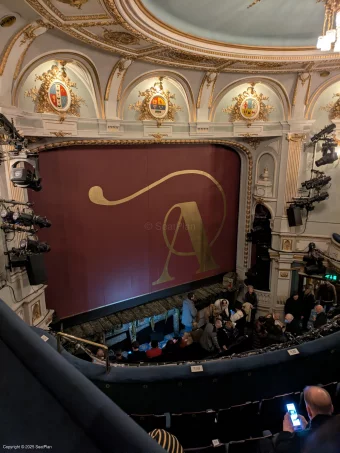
(213, 35)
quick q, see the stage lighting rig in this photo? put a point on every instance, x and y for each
(323, 133)
(32, 246)
(30, 219)
(25, 177)
(314, 261)
(329, 155)
(9, 216)
(318, 182)
(8, 129)
(308, 202)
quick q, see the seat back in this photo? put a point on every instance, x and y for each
(195, 429)
(273, 410)
(256, 445)
(238, 422)
(149, 422)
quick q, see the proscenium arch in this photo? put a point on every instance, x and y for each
(317, 93)
(276, 86)
(172, 75)
(245, 194)
(80, 58)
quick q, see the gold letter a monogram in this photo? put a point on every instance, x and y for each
(189, 213)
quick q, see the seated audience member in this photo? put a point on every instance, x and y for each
(276, 317)
(312, 318)
(274, 332)
(155, 350)
(208, 339)
(186, 340)
(170, 351)
(293, 306)
(292, 325)
(119, 358)
(210, 312)
(226, 334)
(239, 318)
(321, 317)
(136, 355)
(100, 357)
(196, 332)
(319, 409)
(326, 439)
(259, 334)
(167, 441)
(222, 305)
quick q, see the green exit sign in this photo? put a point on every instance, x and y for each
(332, 277)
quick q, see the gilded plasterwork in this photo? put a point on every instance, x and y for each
(42, 96)
(261, 112)
(157, 90)
(333, 107)
(76, 3)
(120, 37)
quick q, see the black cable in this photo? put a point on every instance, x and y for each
(16, 300)
(326, 256)
(305, 223)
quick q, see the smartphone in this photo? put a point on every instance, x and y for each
(294, 416)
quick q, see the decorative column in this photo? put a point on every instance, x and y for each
(205, 96)
(293, 166)
(114, 87)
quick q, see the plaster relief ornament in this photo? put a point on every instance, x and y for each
(333, 108)
(157, 104)
(76, 3)
(120, 37)
(249, 106)
(55, 94)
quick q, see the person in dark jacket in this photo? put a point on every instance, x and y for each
(326, 439)
(239, 318)
(251, 297)
(319, 409)
(208, 339)
(321, 317)
(292, 325)
(293, 306)
(308, 302)
(259, 334)
(136, 355)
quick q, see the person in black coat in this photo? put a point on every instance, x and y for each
(251, 297)
(136, 355)
(293, 306)
(308, 302)
(321, 317)
(292, 325)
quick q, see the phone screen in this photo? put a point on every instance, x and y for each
(293, 416)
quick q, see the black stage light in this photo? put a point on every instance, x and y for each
(9, 216)
(329, 154)
(31, 219)
(26, 178)
(33, 246)
(318, 182)
(326, 131)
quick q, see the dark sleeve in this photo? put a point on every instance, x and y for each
(287, 304)
(255, 300)
(287, 442)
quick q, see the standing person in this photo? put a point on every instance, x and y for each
(251, 297)
(293, 306)
(189, 312)
(308, 302)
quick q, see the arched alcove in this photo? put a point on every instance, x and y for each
(277, 98)
(82, 74)
(176, 84)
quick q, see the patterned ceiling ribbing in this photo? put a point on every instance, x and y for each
(128, 28)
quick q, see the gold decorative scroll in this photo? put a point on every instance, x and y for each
(40, 96)
(143, 106)
(234, 110)
(333, 108)
(252, 139)
(76, 3)
(189, 214)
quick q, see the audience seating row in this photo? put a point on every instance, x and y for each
(233, 425)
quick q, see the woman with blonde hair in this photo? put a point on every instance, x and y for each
(222, 306)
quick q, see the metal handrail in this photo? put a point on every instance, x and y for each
(92, 343)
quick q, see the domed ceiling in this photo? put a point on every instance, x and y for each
(267, 23)
(212, 35)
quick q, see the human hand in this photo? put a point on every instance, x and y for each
(303, 421)
(287, 424)
(225, 348)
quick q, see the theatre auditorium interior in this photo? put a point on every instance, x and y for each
(170, 226)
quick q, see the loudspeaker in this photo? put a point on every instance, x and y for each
(36, 271)
(294, 216)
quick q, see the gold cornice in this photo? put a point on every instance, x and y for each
(53, 56)
(212, 82)
(234, 145)
(207, 41)
(8, 48)
(58, 13)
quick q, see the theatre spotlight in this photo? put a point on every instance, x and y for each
(26, 178)
(314, 261)
(9, 216)
(34, 247)
(325, 131)
(31, 219)
(318, 182)
(329, 154)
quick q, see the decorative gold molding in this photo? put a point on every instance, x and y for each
(296, 137)
(8, 48)
(170, 108)
(235, 111)
(159, 137)
(75, 3)
(228, 143)
(61, 134)
(333, 107)
(41, 96)
(252, 139)
(209, 78)
(120, 37)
